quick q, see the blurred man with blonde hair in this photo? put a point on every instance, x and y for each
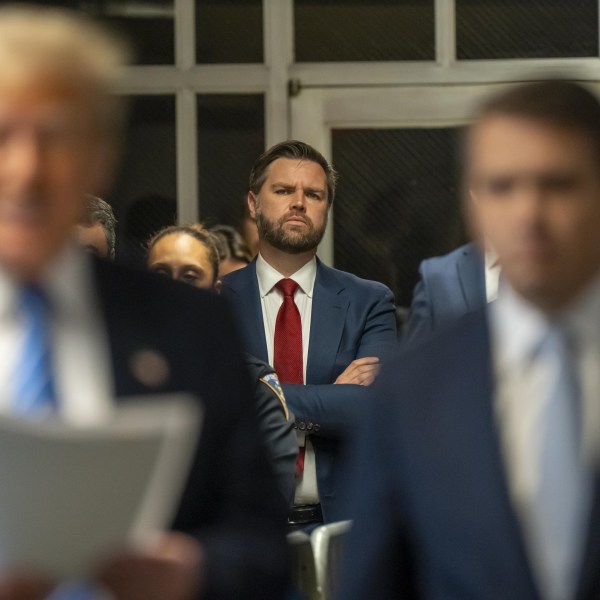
(96, 325)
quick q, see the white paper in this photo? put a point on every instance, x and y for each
(68, 496)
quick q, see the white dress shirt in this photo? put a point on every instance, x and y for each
(492, 276)
(271, 300)
(80, 352)
(522, 384)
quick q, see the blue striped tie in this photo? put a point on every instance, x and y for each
(34, 392)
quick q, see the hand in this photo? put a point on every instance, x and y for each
(17, 586)
(172, 569)
(361, 371)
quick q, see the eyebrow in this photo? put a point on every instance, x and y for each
(292, 186)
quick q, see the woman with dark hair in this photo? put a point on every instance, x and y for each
(188, 253)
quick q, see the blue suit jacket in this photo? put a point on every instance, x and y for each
(351, 318)
(450, 286)
(430, 463)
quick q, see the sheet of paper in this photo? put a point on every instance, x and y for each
(70, 495)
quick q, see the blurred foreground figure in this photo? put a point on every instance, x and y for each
(189, 254)
(103, 332)
(482, 452)
(96, 232)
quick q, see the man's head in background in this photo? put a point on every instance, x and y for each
(59, 124)
(292, 187)
(533, 175)
(96, 231)
(233, 252)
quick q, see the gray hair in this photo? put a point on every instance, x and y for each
(99, 212)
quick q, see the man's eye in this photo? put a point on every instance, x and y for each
(281, 192)
(189, 278)
(500, 186)
(559, 183)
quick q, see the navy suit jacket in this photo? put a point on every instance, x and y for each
(430, 463)
(450, 286)
(351, 318)
(230, 504)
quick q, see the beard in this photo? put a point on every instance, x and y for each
(291, 240)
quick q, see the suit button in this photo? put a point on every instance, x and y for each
(316, 428)
(309, 426)
(302, 426)
(295, 425)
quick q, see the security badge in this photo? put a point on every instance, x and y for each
(272, 382)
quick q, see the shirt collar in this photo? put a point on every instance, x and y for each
(518, 326)
(268, 276)
(491, 260)
(67, 281)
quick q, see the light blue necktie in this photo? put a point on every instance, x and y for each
(562, 506)
(34, 392)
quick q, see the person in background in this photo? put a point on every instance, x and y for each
(96, 232)
(248, 230)
(233, 252)
(188, 253)
(451, 286)
(322, 329)
(79, 335)
(482, 454)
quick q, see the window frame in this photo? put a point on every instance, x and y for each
(279, 78)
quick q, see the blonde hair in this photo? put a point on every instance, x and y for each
(63, 48)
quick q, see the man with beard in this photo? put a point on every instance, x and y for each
(322, 329)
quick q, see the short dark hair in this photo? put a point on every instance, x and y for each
(557, 102)
(293, 150)
(199, 233)
(231, 244)
(99, 212)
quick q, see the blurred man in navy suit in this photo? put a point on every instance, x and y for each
(322, 329)
(483, 449)
(78, 335)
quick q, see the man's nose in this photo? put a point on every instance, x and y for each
(298, 200)
(530, 201)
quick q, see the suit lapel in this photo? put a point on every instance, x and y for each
(329, 307)
(491, 494)
(124, 349)
(249, 312)
(471, 274)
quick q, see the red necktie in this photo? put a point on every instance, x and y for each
(287, 354)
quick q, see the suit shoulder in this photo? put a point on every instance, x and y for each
(441, 263)
(235, 279)
(351, 281)
(446, 345)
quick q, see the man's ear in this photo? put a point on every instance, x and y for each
(218, 286)
(252, 201)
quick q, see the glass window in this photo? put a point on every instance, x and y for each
(363, 30)
(229, 31)
(230, 138)
(397, 202)
(147, 26)
(144, 197)
(533, 29)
